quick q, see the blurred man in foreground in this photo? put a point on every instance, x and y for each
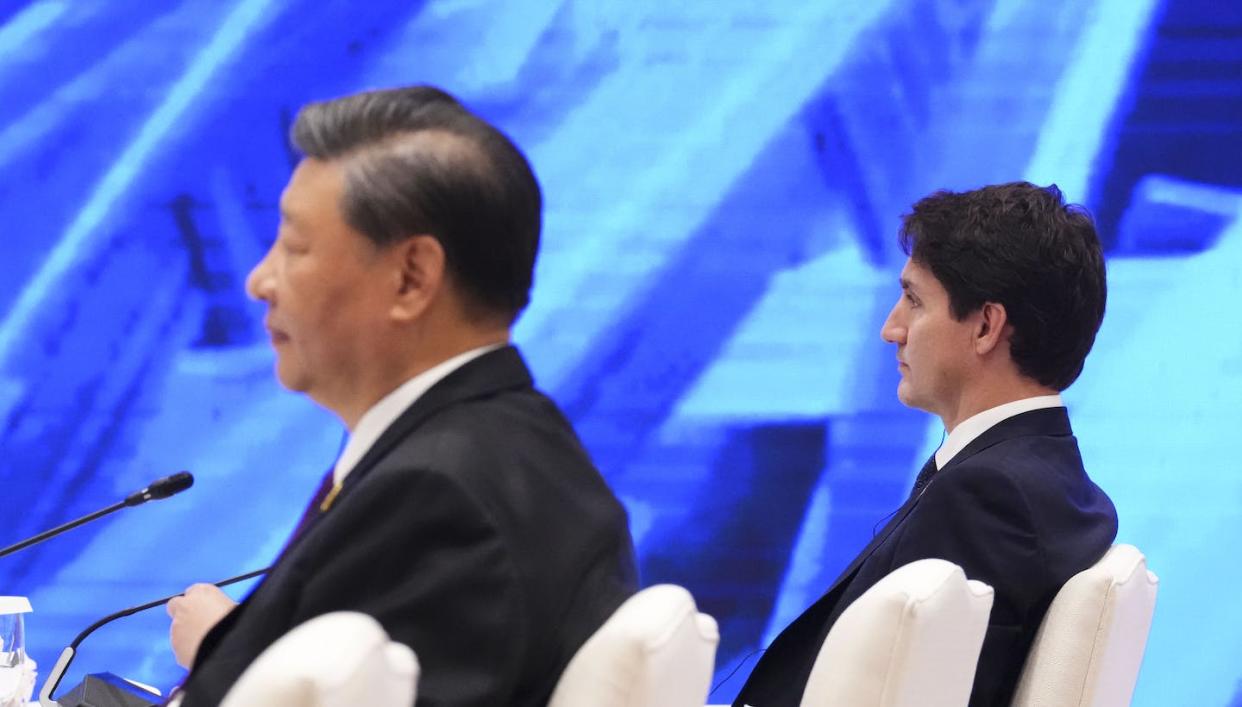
(463, 513)
(1000, 302)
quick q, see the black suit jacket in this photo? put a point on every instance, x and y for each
(1014, 508)
(476, 530)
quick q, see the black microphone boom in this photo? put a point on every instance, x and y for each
(161, 488)
(66, 656)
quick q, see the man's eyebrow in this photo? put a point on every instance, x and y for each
(906, 284)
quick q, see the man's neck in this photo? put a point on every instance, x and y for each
(987, 398)
(414, 361)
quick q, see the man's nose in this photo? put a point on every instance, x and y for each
(892, 332)
(259, 281)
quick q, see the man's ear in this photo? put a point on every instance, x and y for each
(420, 266)
(992, 327)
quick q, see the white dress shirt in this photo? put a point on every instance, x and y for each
(975, 425)
(382, 414)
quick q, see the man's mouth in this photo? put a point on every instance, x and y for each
(277, 336)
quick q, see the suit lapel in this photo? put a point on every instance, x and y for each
(772, 675)
(1047, 421)
(491, 373)
(888, 528)
(787, 655)
(487, 375)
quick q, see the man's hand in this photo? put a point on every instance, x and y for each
(193, 614)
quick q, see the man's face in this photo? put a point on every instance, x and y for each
(935, 352)
(325, 289)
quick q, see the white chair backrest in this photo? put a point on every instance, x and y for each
(656, 650)
(342, 659)
(1090, 645)
(911, 639)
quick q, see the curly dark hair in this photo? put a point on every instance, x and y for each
(1023, 247)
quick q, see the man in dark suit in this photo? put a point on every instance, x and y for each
(1001, 299)
(463, 513)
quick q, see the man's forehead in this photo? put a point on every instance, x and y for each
(913, 275)
(918, 278)
(310, 182)
(289, 209)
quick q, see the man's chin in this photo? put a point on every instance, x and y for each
(907, 396)
(913, 402)
(290, 379)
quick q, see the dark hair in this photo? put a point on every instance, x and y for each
(1023, 247)
(418, 162)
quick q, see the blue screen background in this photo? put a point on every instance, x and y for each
(723, 183)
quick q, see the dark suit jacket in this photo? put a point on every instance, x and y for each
(1014, 508)
(476, 530)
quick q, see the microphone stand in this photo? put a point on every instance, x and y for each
(161, 488)
(62, 528)
(66, 656)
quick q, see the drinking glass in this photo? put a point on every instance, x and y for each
(16, 669)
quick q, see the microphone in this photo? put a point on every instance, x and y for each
(160, 488)
(66, 656)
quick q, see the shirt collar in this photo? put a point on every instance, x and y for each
(382, 414)
(977, 424)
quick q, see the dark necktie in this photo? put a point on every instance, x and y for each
(323, 495)
(924, 477)
(327, 489)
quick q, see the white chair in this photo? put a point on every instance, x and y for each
(342, 659)
(1090, 645)
(656, 650)
(911, 639)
